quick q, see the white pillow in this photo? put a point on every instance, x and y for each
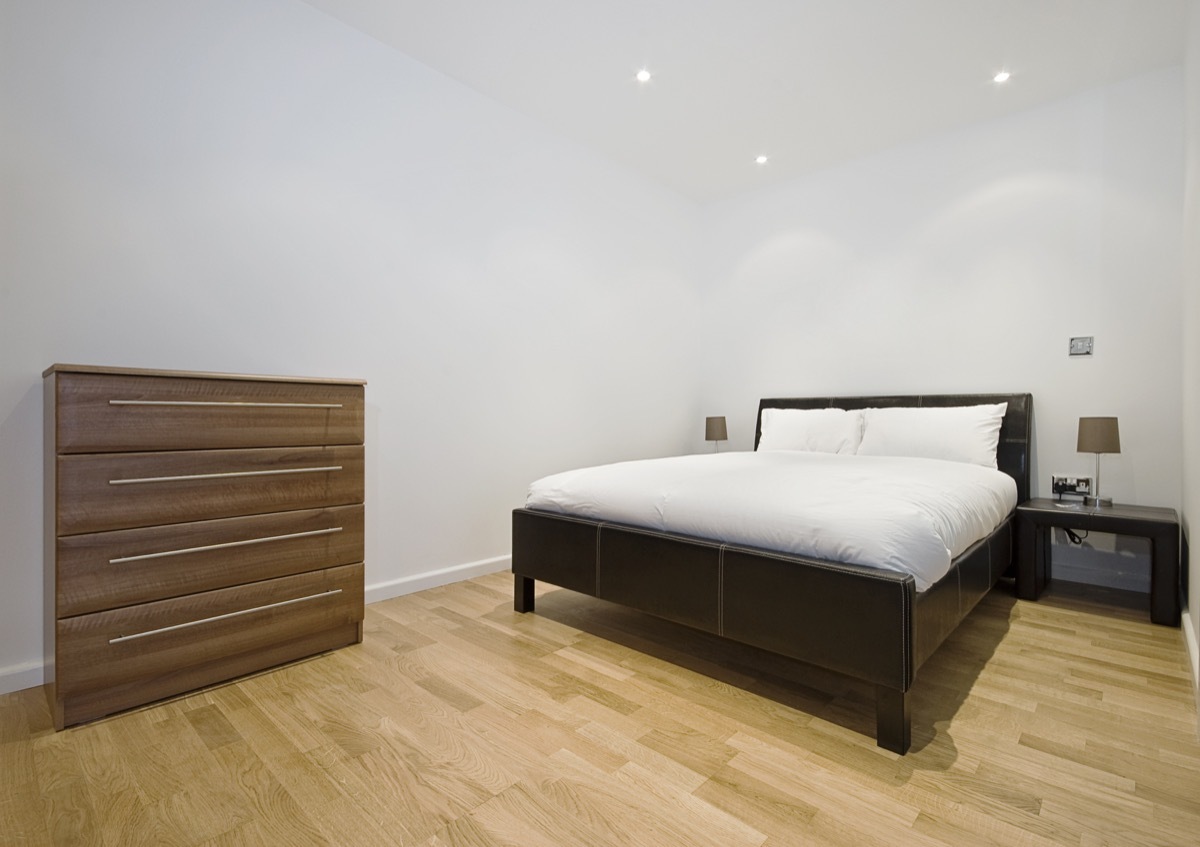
(957, 433)
(813, 430)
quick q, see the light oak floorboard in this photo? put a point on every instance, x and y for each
(460, 723)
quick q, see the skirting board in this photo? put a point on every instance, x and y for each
(1192, 643)
(30, 674)
(25, 675)
(433, 579)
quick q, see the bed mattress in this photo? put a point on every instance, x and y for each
(903, 514)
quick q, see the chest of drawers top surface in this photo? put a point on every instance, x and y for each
(59, 368)
(110, 411)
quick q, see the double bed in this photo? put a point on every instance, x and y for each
(685, 539)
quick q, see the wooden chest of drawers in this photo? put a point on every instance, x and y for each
(198, 527)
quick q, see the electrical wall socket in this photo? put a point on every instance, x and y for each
(1081, 345)
(1063, 484)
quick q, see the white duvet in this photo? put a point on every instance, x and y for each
(908, 515)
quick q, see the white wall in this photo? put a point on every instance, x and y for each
(257, 188)
(964, 263)
(1191, 334)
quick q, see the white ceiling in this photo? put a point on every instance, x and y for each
(810, 83)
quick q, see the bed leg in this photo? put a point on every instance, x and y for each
(522, 593)
(893, 723)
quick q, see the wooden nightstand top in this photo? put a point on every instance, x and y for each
(1116, 513)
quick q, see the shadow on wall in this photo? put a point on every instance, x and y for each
(21, 602)
(1112, 561)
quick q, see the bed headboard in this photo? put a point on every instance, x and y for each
(1016, 430)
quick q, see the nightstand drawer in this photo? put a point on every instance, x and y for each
(109, 649)
(106, 570)
(98, 413)
(120, 491)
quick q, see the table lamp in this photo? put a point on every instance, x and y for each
(715, 431)
(1098, 435)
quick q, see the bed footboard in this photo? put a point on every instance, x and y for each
(847, 618)
(867, 623)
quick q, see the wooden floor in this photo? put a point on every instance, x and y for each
(459, 722)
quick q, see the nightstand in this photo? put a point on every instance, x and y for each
(1161, 526)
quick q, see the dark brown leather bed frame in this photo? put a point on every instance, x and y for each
(868, 623)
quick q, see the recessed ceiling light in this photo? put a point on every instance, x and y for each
(1001, 77)
(643, 75)
(760, 160)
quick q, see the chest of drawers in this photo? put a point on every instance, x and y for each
(198, 527)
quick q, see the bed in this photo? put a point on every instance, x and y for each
(867, 622)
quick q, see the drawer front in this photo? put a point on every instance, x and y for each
(111, 649)
(98, 413)
(126, 490)
(106, 570)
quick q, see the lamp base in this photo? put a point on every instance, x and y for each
(1102, 502)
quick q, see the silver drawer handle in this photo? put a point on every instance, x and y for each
(227, 475)
(224, 545)
(237, 403)
(225, 616)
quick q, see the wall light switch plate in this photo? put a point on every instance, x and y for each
(1081, 345)
(1080, 486)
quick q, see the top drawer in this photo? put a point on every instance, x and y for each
(101, 413)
